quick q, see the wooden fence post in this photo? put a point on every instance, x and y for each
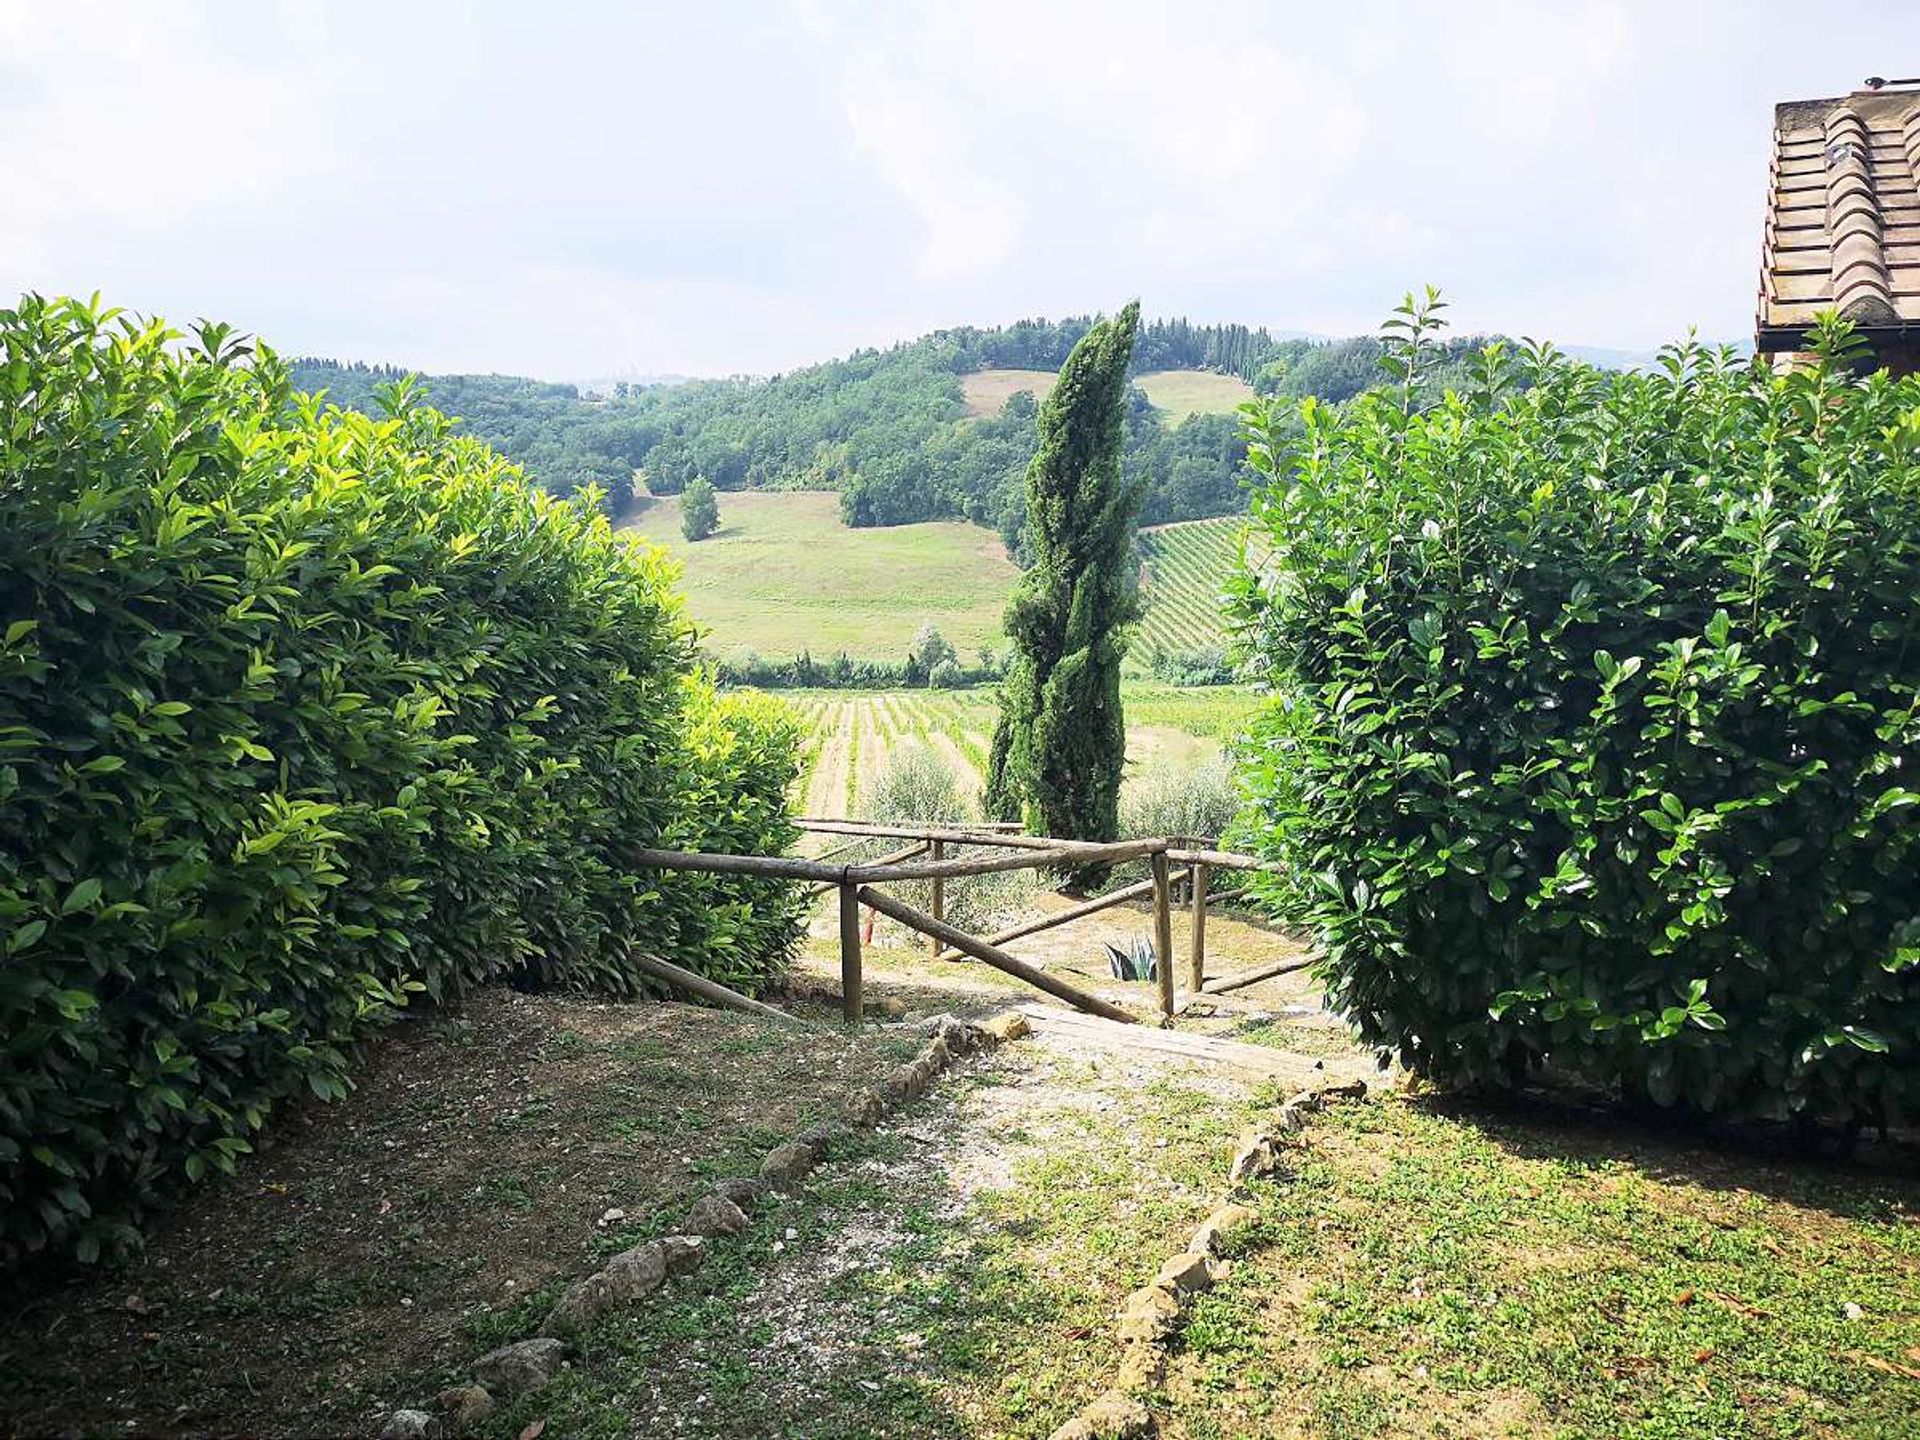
(850, 951)
(1197, 955)
(939, 910)
(1162, 931)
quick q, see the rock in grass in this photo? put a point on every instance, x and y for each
(1186, 1275)
(714, 1214)
(961, 1037)
(1114, 1416)
(1149, 1315)
(866, 1108)
(1142, 1368)
(515, 1369)
(683, 1253)
(786, 1166)
(825, 1140)
(1255, 1155)
(1222, 1230)
(742, 1190)
(463, 1406)
(1006, 1026)
(409, 1425)
(632, 1275)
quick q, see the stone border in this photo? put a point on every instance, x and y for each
(1153, 1316)
(630, 1277)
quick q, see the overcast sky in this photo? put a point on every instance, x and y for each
(574, 190)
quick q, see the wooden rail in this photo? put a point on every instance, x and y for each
(1168, 861)
(992, 955)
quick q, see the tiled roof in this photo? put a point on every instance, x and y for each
(1843, 215)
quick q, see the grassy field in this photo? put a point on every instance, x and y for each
(850, 734)
(1186, 569)
(783, 574)
(1176, 393)
(1180, 393)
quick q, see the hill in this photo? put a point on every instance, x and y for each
(1184, 570)
(783, 574)
(1175, 394)
(894, 432)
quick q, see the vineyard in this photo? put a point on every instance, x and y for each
(849, 735)
(1184, 570)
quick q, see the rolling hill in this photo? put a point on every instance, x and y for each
(783, 574)
(1175, 394)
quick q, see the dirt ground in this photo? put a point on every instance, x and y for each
(489, 1153)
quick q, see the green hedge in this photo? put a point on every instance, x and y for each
(1597, 720)
(303, 712)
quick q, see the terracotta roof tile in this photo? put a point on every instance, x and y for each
(1843, 215)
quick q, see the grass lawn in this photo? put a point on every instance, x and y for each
(1434, 1271)
(783, 574)
(1175, 393)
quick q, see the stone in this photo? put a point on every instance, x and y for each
(1007, 1026)
(638, 1272)
(683, 1253)
(1291, 1120)
(1223, 1230)
(961, 1038)
(1254, 1156)
(1353, 1090)
(1143, 1368)
(902, 1084)
(713, 1214)
(786, 1166)
(825, 1140)
(463, 1406)
(1186, 1275)
(1114, 1416)
(1149, 1315)
(409, 1425)
(891, 1006)
(1307, 1100)
(515, 1369)
(866, 1108)
(936, 1055)
(742, 1190)
(631, 1275)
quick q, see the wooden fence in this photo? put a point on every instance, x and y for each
(1169, 862)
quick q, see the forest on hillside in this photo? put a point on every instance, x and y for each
(887, 429)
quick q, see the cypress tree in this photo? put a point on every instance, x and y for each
(1060, 740)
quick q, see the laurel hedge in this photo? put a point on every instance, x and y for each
(304, 713)
(1593, 750)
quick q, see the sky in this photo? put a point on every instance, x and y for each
(578, 190)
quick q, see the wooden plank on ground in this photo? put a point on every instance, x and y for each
(1258, 1061)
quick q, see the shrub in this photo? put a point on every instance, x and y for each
(917, 787)
(1597, 709)
(1207, 665)
(302, 714)
(1168, 799)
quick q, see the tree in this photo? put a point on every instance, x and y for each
(699, 511)
(931, 649)
(1060, 741)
